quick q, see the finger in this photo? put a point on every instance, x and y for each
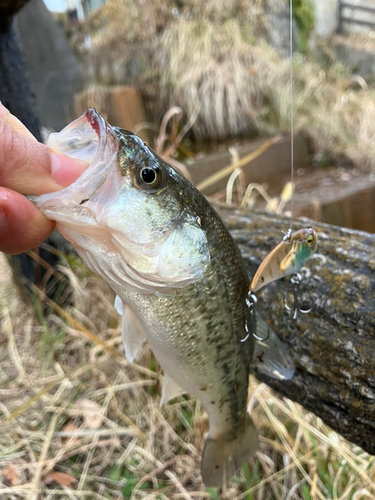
(14, 122)
(29, 167)
(22, 225)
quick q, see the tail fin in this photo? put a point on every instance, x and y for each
(221, 458)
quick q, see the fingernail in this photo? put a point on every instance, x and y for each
(4, 222)
(65, 170)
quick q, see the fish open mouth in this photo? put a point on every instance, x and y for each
(89, 139)
(107, 219)
(85, 138)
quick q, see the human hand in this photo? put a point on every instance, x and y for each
(27, 167)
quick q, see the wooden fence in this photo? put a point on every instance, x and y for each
(353, 19)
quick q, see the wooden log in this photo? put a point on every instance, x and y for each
(333, 346)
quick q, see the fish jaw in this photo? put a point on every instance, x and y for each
(144, 240)
(89, 139)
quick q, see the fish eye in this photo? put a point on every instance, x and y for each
(310, 239)
(149, 176)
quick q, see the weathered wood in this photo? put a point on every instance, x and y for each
(333, 347)
(272, 164)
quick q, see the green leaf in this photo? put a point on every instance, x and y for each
(305, 490)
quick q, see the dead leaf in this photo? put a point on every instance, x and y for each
(70, 427)
(11, 474)
(91, 413)
(61, 478)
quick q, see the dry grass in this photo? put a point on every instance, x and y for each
(214, 69)
(213, 57)
(78, 422)
(242, 88)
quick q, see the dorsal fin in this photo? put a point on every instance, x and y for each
(132, 331)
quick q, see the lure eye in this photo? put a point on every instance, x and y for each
(149, 176)
(310, 239)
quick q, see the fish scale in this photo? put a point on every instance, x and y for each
(209, 343)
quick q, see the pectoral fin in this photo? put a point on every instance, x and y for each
(132, 331)
(118, 305)
(271, 356)
(170, 390)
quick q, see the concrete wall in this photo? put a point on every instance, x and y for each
(326, 17)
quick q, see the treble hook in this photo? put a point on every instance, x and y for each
(297, 307)
(251, 302)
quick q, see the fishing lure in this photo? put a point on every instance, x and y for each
(286, 258)
(299, 306)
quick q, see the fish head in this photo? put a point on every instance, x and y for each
(306, 241)
(132, 218)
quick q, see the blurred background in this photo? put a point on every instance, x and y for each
(207, 84)
(226, 65)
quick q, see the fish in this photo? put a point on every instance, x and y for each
(180, 282)
(286, 258)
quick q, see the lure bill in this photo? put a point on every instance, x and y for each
(286, 258)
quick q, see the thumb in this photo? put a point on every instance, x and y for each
(28, 167)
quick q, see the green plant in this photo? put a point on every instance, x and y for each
(304, 15)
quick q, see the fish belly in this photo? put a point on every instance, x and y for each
(198, 349)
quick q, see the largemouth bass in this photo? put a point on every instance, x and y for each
(180, 281)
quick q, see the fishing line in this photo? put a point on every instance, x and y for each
(287, 258)
(291, 113)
